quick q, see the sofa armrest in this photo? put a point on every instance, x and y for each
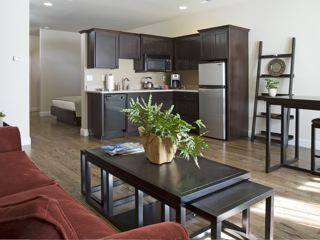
(9, 139)
(166, 230)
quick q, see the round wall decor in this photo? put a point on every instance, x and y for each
(276, 67)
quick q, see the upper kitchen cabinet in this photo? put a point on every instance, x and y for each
(187, 52)
(129, 46)
(156, 45)
(103, 49)
(214, 43)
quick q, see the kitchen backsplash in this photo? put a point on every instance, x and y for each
(94, 78)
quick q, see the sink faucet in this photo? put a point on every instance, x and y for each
(123, 82)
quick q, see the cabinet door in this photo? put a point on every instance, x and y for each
(129, 46)
(131, 128)
(187, 52)
(103, 49)
(163, 97)
(207, 45)
(214, 45)
(221, 45)
(156, 45)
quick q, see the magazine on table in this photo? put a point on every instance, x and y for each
(123, 148)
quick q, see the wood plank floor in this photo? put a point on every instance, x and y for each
(56, 149)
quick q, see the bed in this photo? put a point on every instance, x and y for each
(67, 109)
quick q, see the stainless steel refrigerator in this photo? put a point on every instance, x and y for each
(212, 99)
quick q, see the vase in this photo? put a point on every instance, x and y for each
(272, 92)
(157, 149)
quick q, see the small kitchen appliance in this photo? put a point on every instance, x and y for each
(175, 81)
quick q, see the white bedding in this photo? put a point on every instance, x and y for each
(72, 103)
(64, 104)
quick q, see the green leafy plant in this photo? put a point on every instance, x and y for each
(2, 115)
(167, 125)
(271, 84)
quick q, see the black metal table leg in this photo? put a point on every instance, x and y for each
(296, 152)
(107, 193)
(268, 137)
(181, 215)
(88, 179)
(284, 134)
(246, 221)
(165, 212)
(216, 229)
(82, 169)
(139, 207)
(313, 148)
(269, 218)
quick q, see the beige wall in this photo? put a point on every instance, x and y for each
(34, 73)
(274, 22)
(60, 59)
(14, 82)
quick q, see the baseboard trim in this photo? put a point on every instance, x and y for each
(84, 132)
(34, 109)
(44, 114)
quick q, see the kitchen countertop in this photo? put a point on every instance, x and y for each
(143, 90)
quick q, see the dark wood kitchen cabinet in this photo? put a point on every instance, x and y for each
(186, 104)
(187, 52)
(214, 43)
(103, 49)
(129, 46)
(156, 45)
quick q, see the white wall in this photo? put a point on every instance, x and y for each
(14, 81)
(34, 73)
(60, 60)
(274, 22)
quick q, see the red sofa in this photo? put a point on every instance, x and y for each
(34, 206)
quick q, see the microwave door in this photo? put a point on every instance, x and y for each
(155, 65)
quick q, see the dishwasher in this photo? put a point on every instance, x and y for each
(114, 120)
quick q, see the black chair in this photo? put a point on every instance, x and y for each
(314, 126)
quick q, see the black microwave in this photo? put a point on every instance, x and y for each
(157, 63)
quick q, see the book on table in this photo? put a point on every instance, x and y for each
(123, 148)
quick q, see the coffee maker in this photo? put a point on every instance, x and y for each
(175, 81)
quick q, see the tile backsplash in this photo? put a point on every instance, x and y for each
(94, 78)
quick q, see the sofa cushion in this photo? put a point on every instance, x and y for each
(36, 217)
(9, 139)
(18, 173)
(85, 224)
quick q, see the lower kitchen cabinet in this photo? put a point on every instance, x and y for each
(106, 121)
(186, 104)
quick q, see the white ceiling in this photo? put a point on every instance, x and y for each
(76, 15)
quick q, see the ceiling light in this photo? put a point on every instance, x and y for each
(183, 7)
(48, 4)
(46, 27)
(205, 1)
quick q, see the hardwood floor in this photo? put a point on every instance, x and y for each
(56, 149)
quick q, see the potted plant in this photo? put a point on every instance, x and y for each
(163, 133)
(2, 115)
(272, 86)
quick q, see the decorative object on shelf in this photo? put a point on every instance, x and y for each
(272, 86)
(163, 133)
(2, 115)
(276, 67)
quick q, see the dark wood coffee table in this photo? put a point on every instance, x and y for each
(173, 184)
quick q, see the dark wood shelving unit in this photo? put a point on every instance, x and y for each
(275, 137)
